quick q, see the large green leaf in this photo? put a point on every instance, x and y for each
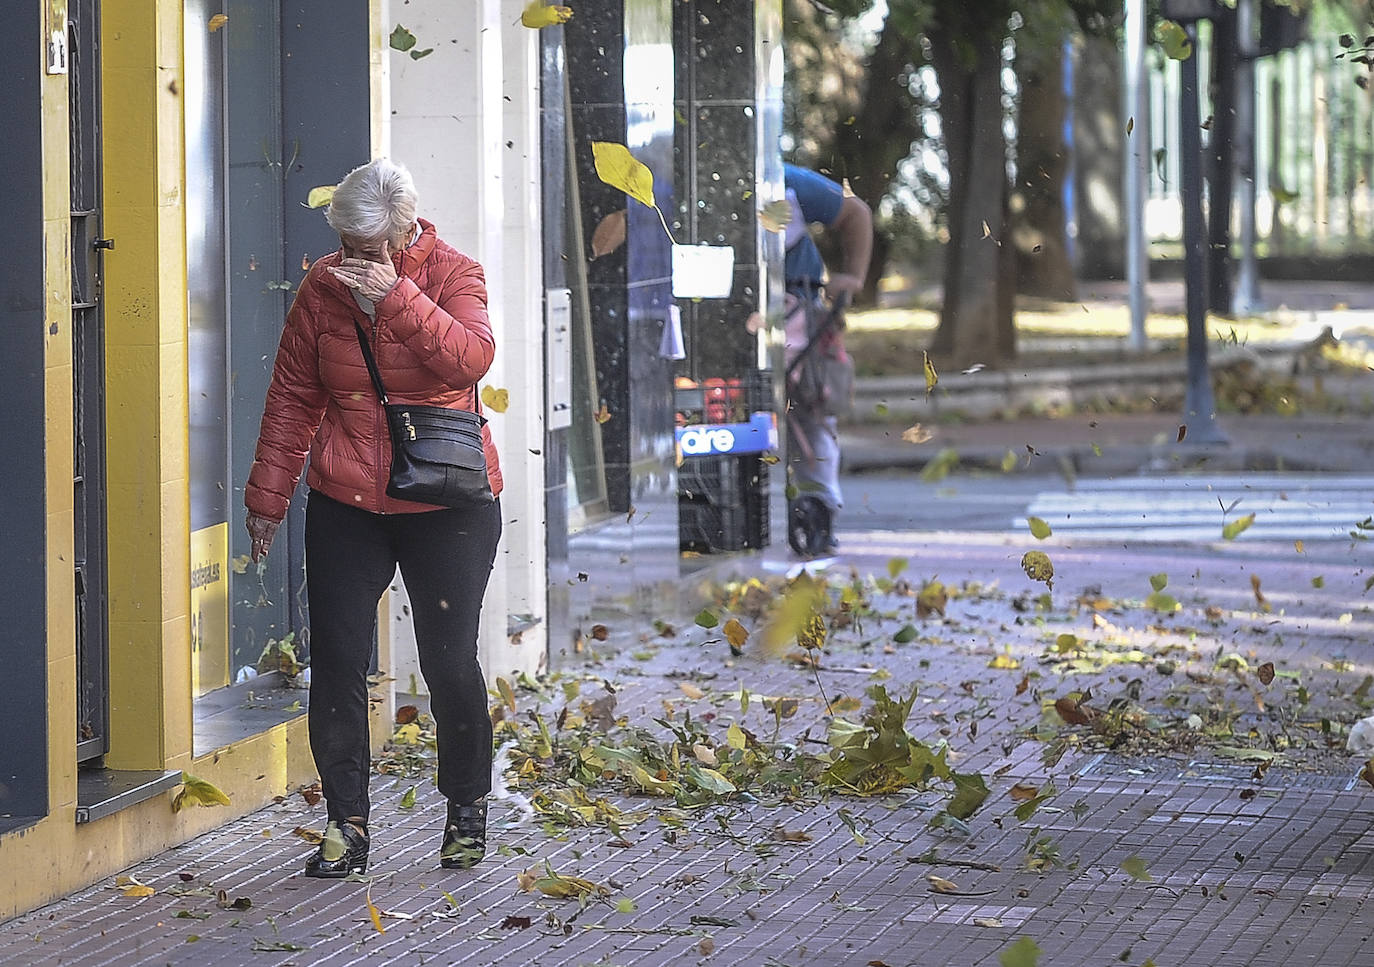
(970, 791)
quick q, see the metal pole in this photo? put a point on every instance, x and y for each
(1137, 171)
(1199, 408)
(1246, 299)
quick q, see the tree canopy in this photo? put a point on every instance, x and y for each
(862, 124)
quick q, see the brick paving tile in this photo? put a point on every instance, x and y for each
(1279, 878)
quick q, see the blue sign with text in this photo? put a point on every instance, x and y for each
(756, 436)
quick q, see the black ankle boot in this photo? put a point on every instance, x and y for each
(829, 544)
(465, 836)
(353, 860)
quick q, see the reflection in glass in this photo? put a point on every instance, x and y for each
(586, 455)
(207, 347)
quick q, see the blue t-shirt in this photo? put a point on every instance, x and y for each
(820, 200)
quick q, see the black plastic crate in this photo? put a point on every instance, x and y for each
(723, 503)
(716, 479)
(707, 527)
(725, 479)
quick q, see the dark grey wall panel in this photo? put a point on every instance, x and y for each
(257, 304)
(326, 132)
(326, 113)
(23, 500)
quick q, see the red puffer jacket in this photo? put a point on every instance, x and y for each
(432, 341)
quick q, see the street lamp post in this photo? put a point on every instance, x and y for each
(1199, 406)
(1137, 171)
(1245, 300)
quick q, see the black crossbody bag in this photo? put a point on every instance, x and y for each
(437, 455)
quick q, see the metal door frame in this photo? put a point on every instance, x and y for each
(88, 383)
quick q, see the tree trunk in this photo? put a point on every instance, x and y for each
(1099, 135)
(1039, 235)
(975, 316)
(869, 148)
(1218, 156)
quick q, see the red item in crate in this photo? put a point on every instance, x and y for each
(715, 399)
(719, 400)
(725, 400)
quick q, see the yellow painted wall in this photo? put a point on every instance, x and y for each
(61, 550)
(148, 509)
(146, 409)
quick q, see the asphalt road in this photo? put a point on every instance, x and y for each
(1138, 509)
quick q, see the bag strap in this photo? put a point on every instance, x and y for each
(376, 375)
(836, 313)
(371, 363)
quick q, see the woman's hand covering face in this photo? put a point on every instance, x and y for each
(367, 268)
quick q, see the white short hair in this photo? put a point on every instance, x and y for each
(375, 200)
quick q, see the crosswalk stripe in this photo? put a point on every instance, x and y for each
(1159, 509)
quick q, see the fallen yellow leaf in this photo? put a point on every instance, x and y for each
(568, 887)
(690, 690)
(1038, 567)
(736, 634)
(776, 215)
(334, 846)
(197, 792)
(537, 16)
(1235, 528)
(789, 617)
(734, 737)
(130, 886)
(1038, 528)
(940, 885)
(619, 169)
(373, 912)
(507, 693)
(932, 599)
(319, 197)
(917, 434)
(497, 400)
(813, 633)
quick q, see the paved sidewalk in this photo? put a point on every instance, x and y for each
(1244, 839)
(1242, 869)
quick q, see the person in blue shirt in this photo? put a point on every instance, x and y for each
(819, 371)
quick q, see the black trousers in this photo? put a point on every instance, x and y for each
(350, 558)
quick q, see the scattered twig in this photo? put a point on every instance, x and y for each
(934, 858)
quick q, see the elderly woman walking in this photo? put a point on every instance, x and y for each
(423, 309)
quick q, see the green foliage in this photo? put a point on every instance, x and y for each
(279, 654)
